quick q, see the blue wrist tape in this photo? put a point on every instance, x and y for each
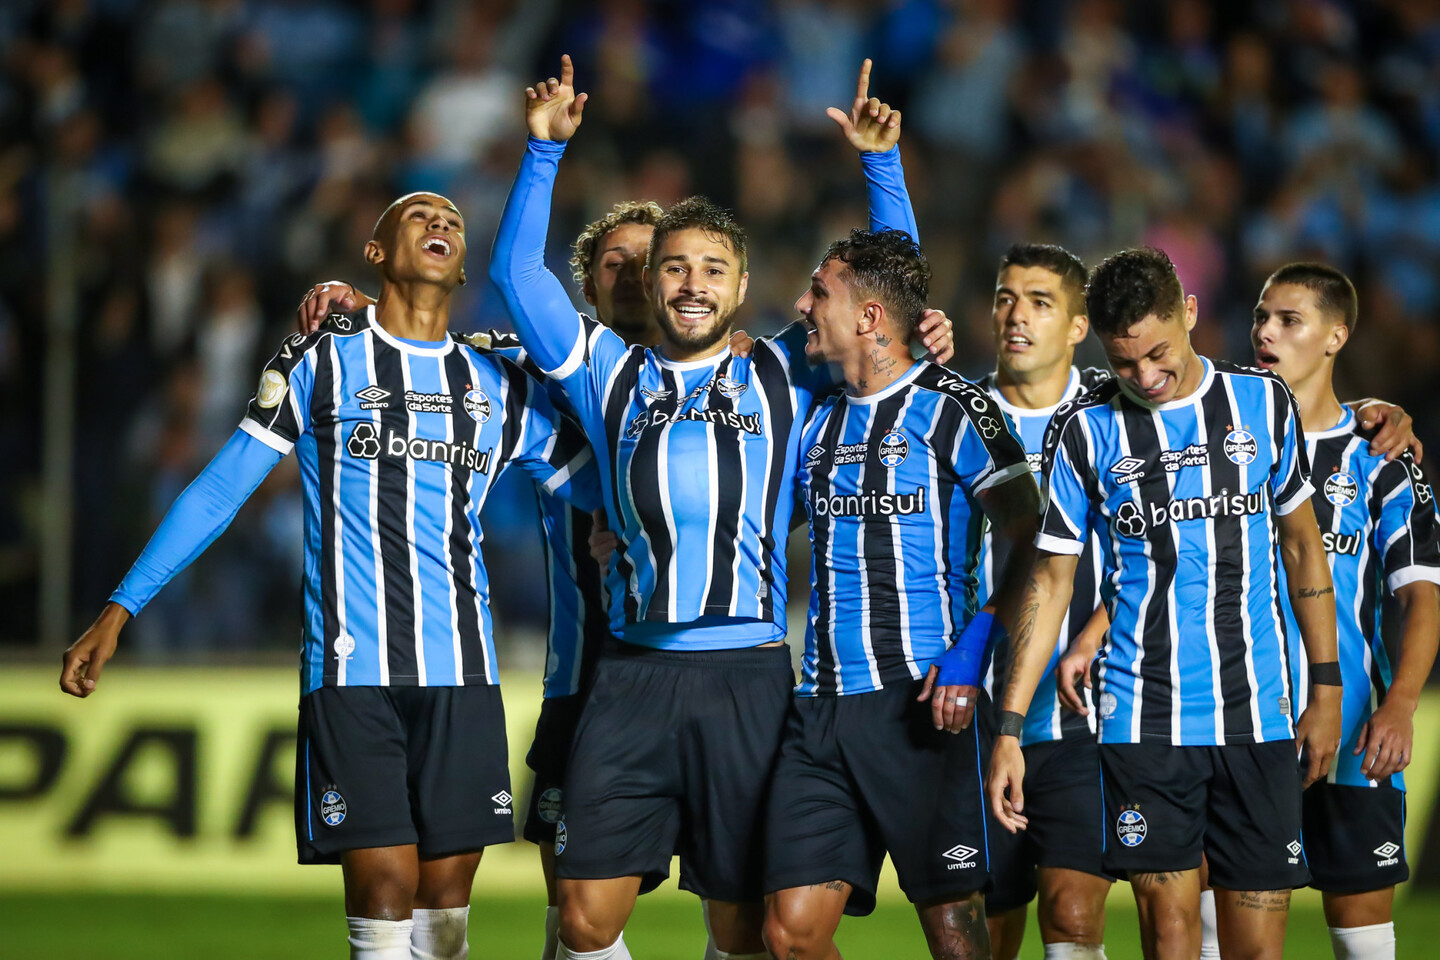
(962, 664)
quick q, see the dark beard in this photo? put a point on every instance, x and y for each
(699, 340)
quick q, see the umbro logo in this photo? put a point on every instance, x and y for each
(1387, 853)
(373, 398)
(1294, 847)
(962, 855)
(1127, 469)
(816, 452)
(502, 801)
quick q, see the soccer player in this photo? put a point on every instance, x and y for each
(893, 471)
(1038, 318)
(698, 452)
(1196, 472)
(1382, 540)
(401, 766)
(608, 257)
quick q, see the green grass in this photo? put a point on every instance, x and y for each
(107, 926)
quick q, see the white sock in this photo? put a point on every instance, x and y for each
(1375, 942)
(711, 951)
(552, 933)
(440, 934)
(1074, 951)
(616, 951)
(1209, 930)
(379, 939)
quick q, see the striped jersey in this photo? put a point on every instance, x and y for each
(890, 482)
(1046, 720)
(398, 445)
(697, 461)
(578, 621)
(1378, 522)
(1186, 493)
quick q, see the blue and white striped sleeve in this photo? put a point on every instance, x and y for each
(1064, 503)
(1290, 476)
(1408, 532)
(279, 412)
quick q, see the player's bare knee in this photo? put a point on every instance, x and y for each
(791, 931)
(585, 928)
(956, 929)
(1071, 917)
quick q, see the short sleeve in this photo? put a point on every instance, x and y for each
(988, 452)
(1290, 475)
(1065, 508)
(279, 412)
(1407, 535)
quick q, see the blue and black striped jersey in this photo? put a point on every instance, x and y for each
(890, 482)
(1380, 529)
(579, 623)
(398, 445)
(697, 464)
(1046, 720)
(1186, 492)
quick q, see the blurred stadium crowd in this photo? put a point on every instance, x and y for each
(226, 154)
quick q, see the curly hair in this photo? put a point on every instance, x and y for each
(1129, 286)
(700, 213)
(888, 266)
(645, 212)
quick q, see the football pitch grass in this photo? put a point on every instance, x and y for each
(110, 926)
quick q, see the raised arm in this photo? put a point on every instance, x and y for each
(544, 317)
(873, 129)
(199, 515)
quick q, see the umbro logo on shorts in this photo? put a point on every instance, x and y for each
(502, 801)
(1294, 847)
(1386, 852)
(962, 855)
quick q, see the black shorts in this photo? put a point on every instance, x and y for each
(385, 766)
(1355, 837)
(673, 754)
(868, 774)
(549, 756)
(1237, 804)
(1067, 822)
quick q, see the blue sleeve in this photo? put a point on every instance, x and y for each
(547, 322)
(1290, 475)
(889, 200)
(199, 515)
(1065, 519)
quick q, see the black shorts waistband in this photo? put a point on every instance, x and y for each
(731, 657)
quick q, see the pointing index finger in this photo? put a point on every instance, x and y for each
(567, 70)
(862, 86)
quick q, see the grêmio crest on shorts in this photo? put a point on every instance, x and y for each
(1186, 494)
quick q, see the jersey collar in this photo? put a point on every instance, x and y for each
(1345, 425)
(1072, 390)
(436, 351)
(897, 386)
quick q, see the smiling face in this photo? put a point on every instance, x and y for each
(1036, 328)
(420, 237)
(1153, 360)
(615, 284)
(831, 314)
(696, 287)
(1292, 336)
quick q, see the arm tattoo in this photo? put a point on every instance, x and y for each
(1310, 593)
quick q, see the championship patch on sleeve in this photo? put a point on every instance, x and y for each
(272, 389)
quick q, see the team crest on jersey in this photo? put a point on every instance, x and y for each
(1128, 469)
(1240, 446)
(477, 405)
(656, 395)
(731, 388)
(1130, 828)
(271, 390)
(1341, 489)
(373, 398)
(562, 837)
(548, 806)
(344, 646)
(894, 448)
(1108, 705)
(332, 807)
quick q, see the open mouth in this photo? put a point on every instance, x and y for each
(437, 245)
(1017, 343)
(1157, 390)
(1265, 359)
